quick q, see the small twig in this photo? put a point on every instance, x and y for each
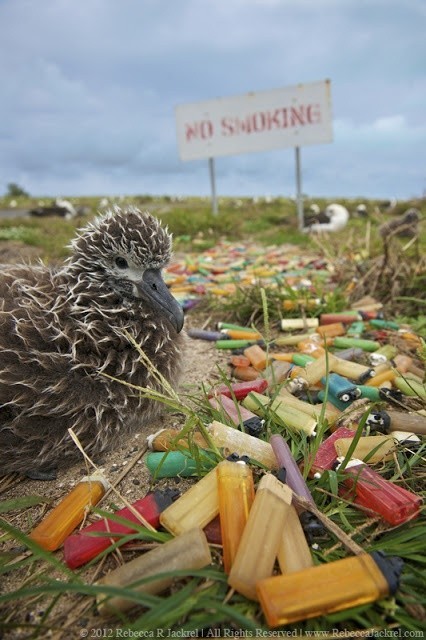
(112, 487)
(346, 540)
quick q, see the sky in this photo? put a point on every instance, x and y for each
(88, 91)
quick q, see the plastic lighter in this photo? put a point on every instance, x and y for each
(171, 439)
(369, 490)
(341, 387)
(238, 414)
(59, 523)
(378, 379)
(242, 334)
(195, 508)
(347, 317)
(329, 587)
(81, 547)
(234, 344)
(288, 341)
(326, 456)
(292, 418)
(383, 354)
(315, 370)
(293, 553)
(274, 374)
(261, 537)
(352, 370)
(177, 463)
(236, 495)
(330, 397)
(246, 373)
(374, 448)
(203, 334)
(290, 324)
(238, 389)
(331, 330)
(391, 420)
(365, 345)
(285, 459)
(187, 551)
(232, 440)
(315, 410)
(410, 387)
(257, 356)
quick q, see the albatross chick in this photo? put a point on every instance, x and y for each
(62, 328)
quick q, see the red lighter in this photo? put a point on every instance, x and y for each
(81, 547)
(395, 504)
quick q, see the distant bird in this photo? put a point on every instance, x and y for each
(361, 211)
(60, 207)
(405, 226)
(334, 218)
(62, 328)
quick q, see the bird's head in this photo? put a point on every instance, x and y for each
(125, 251)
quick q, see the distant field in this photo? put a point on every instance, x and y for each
(264, 220)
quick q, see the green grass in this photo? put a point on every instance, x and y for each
(200, 599)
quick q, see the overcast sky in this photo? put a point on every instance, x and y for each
(88, 90)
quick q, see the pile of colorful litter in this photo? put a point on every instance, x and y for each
(351, 382)
(219, 271)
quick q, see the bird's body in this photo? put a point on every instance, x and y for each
(334, 218)
(405, 226)
(61, 330)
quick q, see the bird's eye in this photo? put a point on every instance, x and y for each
(121, 262)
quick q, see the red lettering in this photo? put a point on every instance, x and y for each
(190, 132)
(259, 121)
(273, 120)
(227, 127)
(245, 125)
(202, 129)
(297, 116)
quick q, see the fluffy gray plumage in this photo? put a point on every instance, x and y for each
(61, 328)
(405, 226)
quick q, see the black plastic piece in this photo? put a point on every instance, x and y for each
(313, 528)
(165, 497)
(253, 426)
(391, 567)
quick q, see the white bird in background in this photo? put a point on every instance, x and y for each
(337, 217)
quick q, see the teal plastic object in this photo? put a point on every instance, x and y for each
(334, 401)
(169, 464)
(384, 324)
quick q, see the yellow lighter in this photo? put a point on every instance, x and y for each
(293, 553)
(59, 523)
(195, 508)
(236, 495)
(187, 551)
(261, 537)
(328, 587)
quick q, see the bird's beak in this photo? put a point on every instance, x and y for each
(153, 288)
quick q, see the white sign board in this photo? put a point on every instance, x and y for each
(290, 117)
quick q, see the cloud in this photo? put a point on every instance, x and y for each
(89, 89)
